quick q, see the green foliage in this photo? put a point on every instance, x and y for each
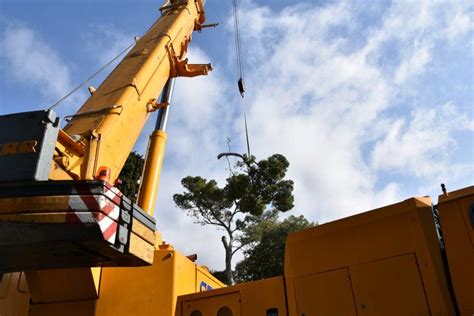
(266, 258)
(220, 275)
(251, 189)
(130, 175)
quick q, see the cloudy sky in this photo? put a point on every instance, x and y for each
(371, 101)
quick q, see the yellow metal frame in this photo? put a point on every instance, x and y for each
(152, 171)
(101, 135)
(382, 262)
(109, 123)
(246, 299)
(395, 231)
(456, 211)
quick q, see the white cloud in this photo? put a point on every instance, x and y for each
(105, 41)
(331, 110)
(414, 63)
(459, 21)
(326, 91)
(199, 116)
(325, 106)
(420, 145)
(31, 61)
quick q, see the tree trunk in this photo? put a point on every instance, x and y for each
(228, 260)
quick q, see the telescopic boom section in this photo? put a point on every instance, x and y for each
(98, 138)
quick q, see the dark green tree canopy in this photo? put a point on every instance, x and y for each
(251, 188)
(256, 187)
(130, 175)
(266, 257)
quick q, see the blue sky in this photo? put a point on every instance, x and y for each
(372, 102)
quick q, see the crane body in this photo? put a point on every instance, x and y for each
(62, 220)
(387, 261)
(72, 244)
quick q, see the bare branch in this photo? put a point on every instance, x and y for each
(238, 248)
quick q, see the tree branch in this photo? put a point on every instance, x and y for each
(238, 248)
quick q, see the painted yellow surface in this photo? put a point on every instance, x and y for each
(143, 291)
(315, 293)
(457, 222)
(152, 171)
(61, 285)
(78, 308)
(383, 262)
(102, 134)
(45, 292)
(35, 204)
(365, 242)
(150, 290)
(253, 298)
(111, 120)
(391, 286)
(14, 294)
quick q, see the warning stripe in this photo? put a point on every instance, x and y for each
(109, 231)
(108, 211)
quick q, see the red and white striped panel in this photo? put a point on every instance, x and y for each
(104, 210)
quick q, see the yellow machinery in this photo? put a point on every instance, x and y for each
(386, 261)
(72, 244)
(62, 221)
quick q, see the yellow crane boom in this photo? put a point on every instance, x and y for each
(72, 244)
(107, 126)
(61, 218)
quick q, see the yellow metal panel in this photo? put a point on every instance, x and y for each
(211, 305)
(137, 79)
(14, 295)
(138, 291)
(389, 287)
(430, 262)
(205, 280)
(149, 290)
(245, 299)
(151, 172)
(143, 231)
(458, 233)
(62, 285)
(141, 248)
(328, 293)
(37, 218)
(34, 204)
(388, 232)
(185, 276)
(82, 308)
(259, 296)
(385, 232)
